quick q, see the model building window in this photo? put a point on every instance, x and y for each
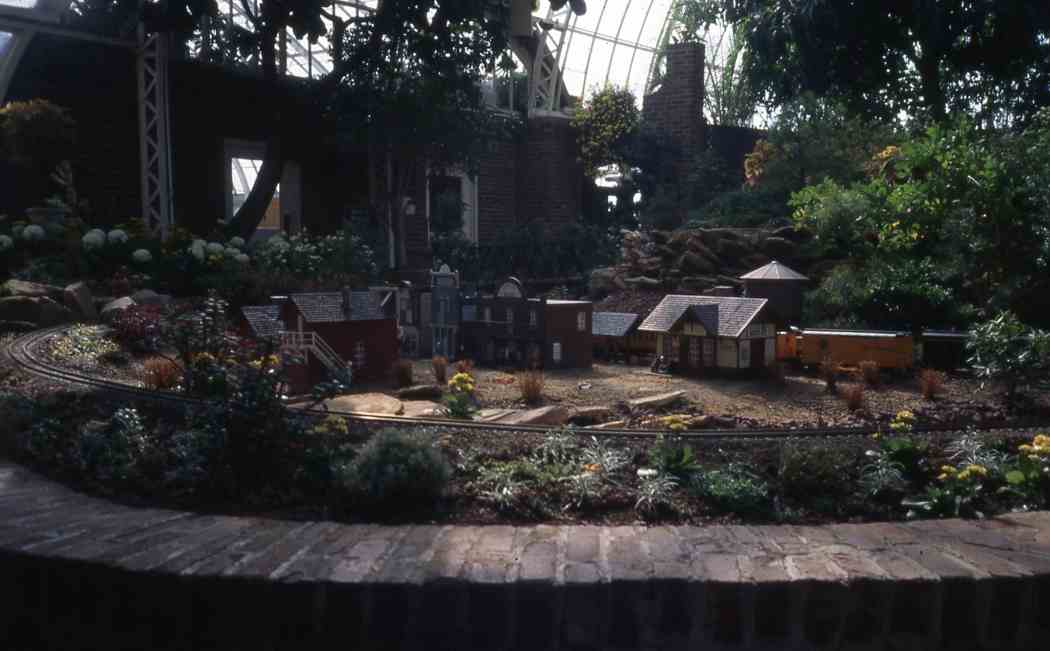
(532, 318)
(581, 321)
(556, 352)
(675, 348)
(694, 352)
(758, 329)
(709, 352)
(360, 355)
(487, 315)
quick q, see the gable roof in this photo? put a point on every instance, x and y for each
(327, 307)
(729, 318)
(773, 271)
(263, 320)
(612, 324)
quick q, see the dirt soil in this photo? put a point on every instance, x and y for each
(800, 401)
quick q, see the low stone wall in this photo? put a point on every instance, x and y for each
(86, 573)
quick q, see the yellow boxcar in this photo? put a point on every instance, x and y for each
(889, 349)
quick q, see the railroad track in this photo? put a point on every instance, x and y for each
(21, 351)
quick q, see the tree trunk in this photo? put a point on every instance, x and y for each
(253, 211)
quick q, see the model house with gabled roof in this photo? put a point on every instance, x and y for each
(616, 335)
(700, 334)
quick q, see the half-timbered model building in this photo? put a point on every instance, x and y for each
(701, 334)
(513, 329)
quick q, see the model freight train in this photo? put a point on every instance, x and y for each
(895, 350)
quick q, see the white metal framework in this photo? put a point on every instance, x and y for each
(154, 132)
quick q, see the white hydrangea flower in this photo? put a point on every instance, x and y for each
(231, 252)
(117, 236)
(214, 248)
(93, 239)
(16, 231)
(141, 256)
(197, 249)
(6, 243)
(647, 473)
(237, 242)
(33, 232)
(243, 259)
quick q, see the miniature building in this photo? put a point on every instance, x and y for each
(261, 321)
(616, 336)
(511, 328)
(782, 286)
(445, 311)
(697, 333)
(341, 327)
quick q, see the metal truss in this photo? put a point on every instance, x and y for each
(154, 132)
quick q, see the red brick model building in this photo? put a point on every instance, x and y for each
(330, 330)
(511, 328)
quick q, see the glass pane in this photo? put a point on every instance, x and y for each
(243, 173)
(5, 40)
(21, 4)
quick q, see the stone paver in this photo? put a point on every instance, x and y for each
(930, 584)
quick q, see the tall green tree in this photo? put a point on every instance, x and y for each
(924, 58)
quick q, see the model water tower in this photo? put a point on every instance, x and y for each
(782, 286)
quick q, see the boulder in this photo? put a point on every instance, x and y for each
(77, 297)
(421, 409)
(552, 415)
(15, 287)
(493, 415)
(779, 248)
(590, 415)
(150, 297)
(651, 265)
(367, 403)
(604, 280)
(610, 425)
(730, 250)
(115, 307)
(655, 401)
(40, 310)
(711, 421)
(696, 283)
(642, 282)
(662, 237)
(694, 263)
(421, 392)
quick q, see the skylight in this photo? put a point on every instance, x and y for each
(20, 4)
(5, 40)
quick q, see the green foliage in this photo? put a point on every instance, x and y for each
(604, 126)
(928, 59)
(815, 470)
(16, 416)
(655, 494)
(958, 492)
(1005, 350)
(734, 489)
(395, 472)
(882, 476)
(36, 133)
(671, 457)
(1029, 476)
(110, 451)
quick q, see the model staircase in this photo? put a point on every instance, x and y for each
(311, 342)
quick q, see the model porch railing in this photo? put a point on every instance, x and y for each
(313, 343)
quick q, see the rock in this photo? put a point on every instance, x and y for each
(642, 282)
(730, 251)
(710, 421)
(604, 280)
(697, 283)
(421, 409)
(589, 415)
(493, 415)
(778, 248)
(658, 400)
(38, 310)
(115, 307)
(792, 234)
(754, 261)
(662, 237)
(367, 403)
(651, 264)
(15, 287)
(421, 392)
(150, 297)
(610, 425)
(553, 415)
(77, 297)
(694, 263)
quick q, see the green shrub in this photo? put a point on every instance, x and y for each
(110, 451)
(16, 416)
(815, 471)
(734, 489)
(396, 472)
(671, 457)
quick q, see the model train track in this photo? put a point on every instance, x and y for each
(22, 352)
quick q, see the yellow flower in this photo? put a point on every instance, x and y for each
(592, 467)
(977, 470)
(948, 470)
(875, 436)
(942, 476)
(964, 475)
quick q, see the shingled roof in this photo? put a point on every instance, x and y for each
(264, 320)
(612, 324)
(327, 307)
(773, 271)
(729, 318)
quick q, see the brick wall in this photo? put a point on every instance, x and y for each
(675, 109)
(550, 178)
(497, 190)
